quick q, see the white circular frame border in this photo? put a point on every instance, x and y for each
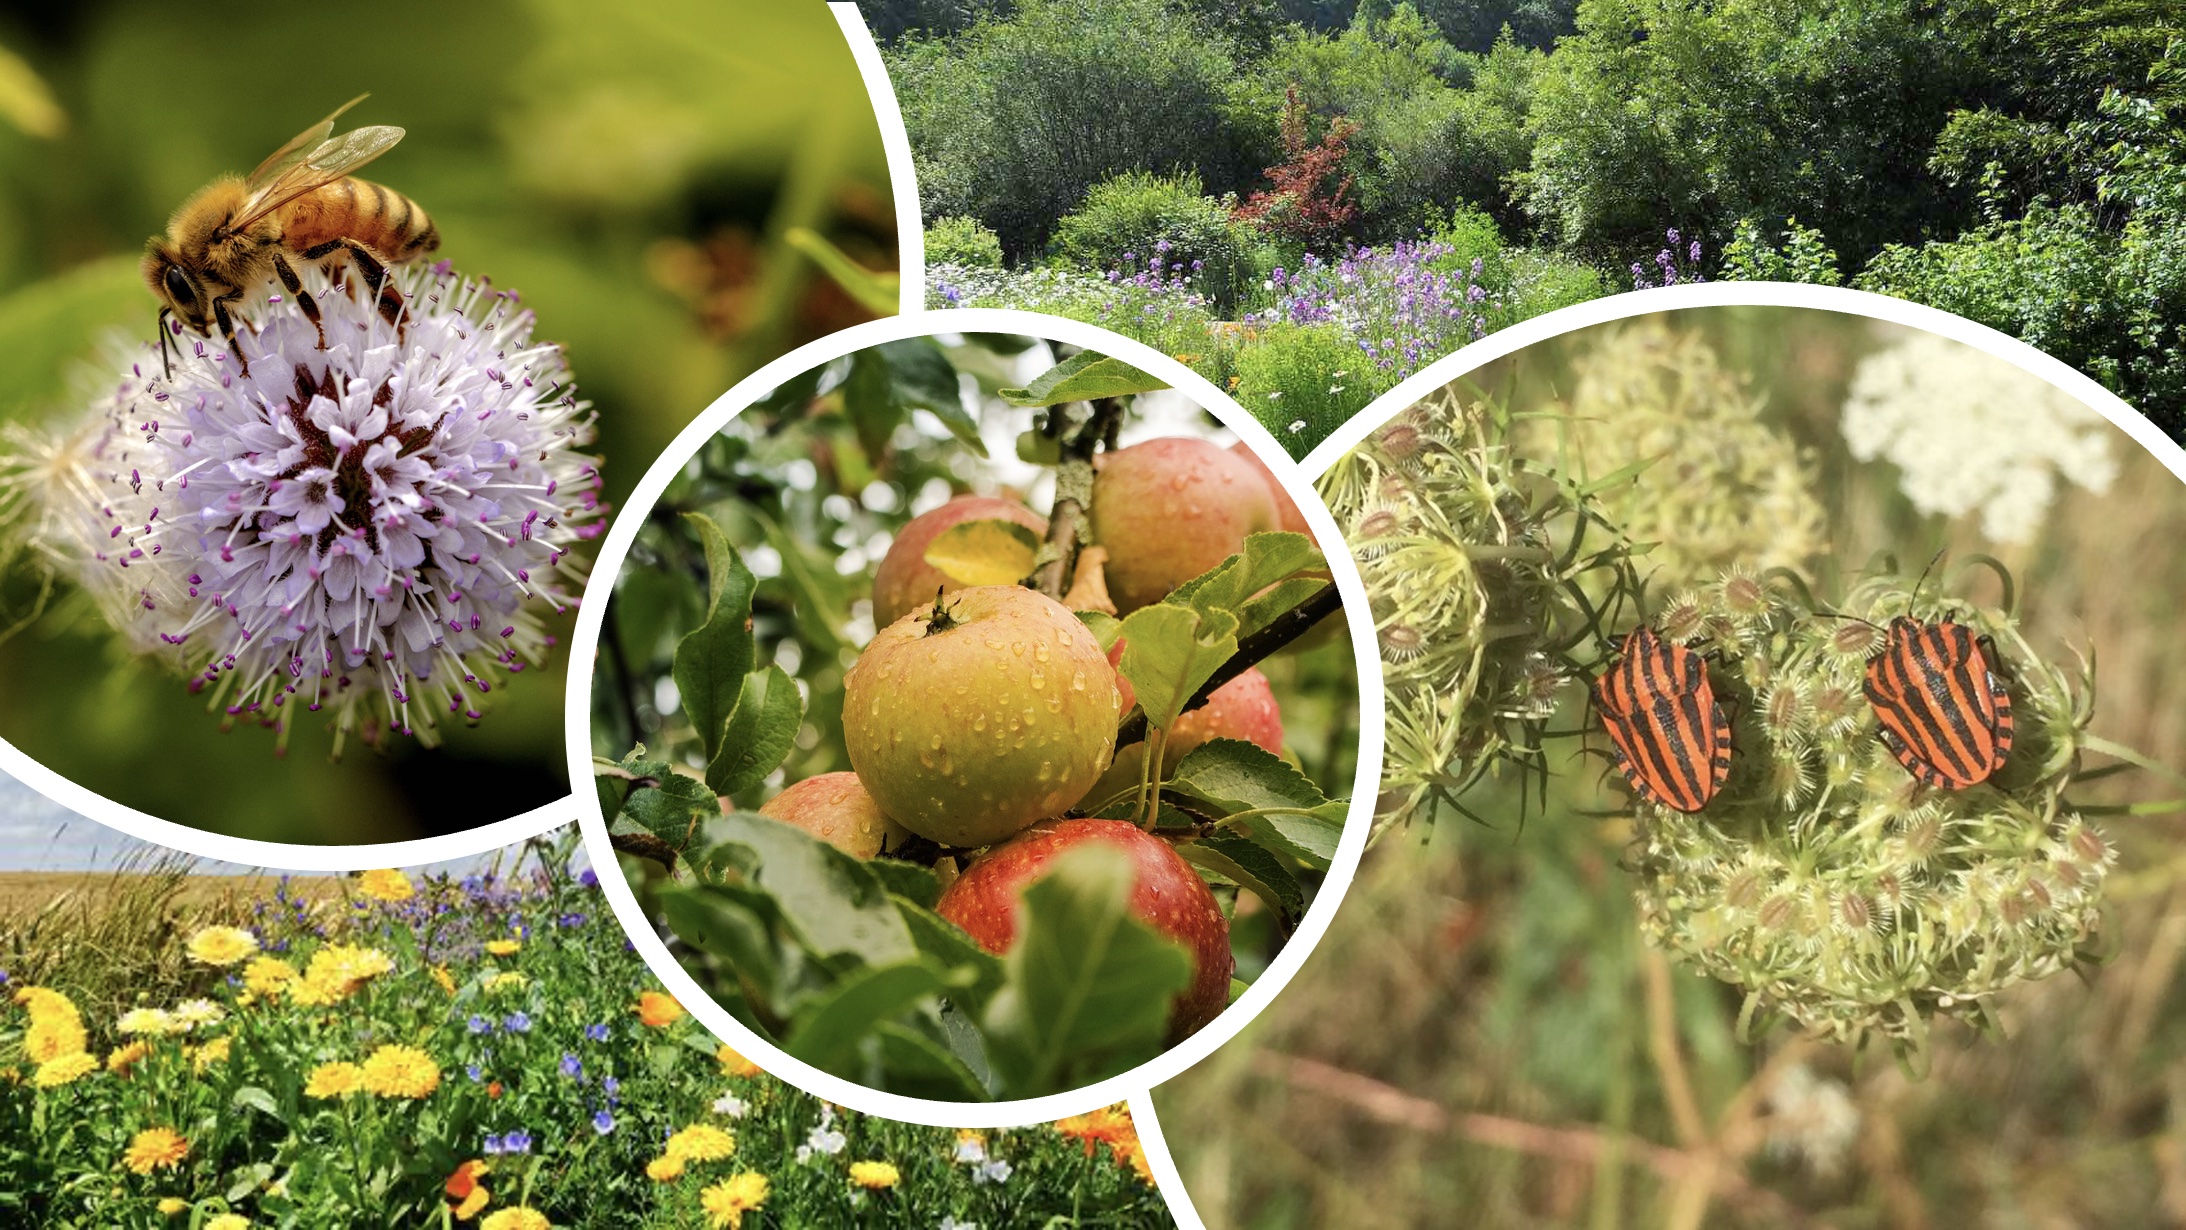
(584, 645)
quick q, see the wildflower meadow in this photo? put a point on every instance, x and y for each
(481, 1049)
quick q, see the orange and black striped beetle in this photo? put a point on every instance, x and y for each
(1945, 716)
(1673, 741)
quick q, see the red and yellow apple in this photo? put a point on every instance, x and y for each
(1170, 509)
(1286, 510)
(1167, 895)
(970, 718)
(836, 808)
(905, 581)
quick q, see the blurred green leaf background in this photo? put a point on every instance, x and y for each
(637, 171)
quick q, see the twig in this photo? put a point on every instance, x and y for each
(646, 846)
(1280, 631)
(1073, 489)
(1580, 1145)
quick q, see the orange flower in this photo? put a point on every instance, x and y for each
(493, 1089)
(158, 1148)
(659, 1009)
(466, 1191)
(733, 1064)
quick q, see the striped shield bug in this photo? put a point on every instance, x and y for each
(1945, 716)
(1672, 740)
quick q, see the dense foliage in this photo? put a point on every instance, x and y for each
(2004, 159)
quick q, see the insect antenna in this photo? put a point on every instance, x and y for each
(166, 365)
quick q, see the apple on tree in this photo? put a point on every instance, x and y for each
(1167, 895)
(1172, 508)
(987, 710)
(835, 808)
(905, 581)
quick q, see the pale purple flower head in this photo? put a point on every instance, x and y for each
(374, 528)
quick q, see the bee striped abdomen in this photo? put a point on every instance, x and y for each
(384, 220)
(1672, 739)
(1944, 714)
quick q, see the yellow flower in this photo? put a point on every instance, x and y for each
(267, 976)
(701, 1142)
(516, 1219)
(733, 1064)
(123, 1058)
(64, 1069)
(874, 1176)
(228, 1221)
(506, 980)
(401, 1072)
(503, 948)
(172, 1206)
(156, 1148)
(659, 1009)
(440, 975)
(727, 1201)
(222, 946)
(215, 1051)
(387, 886)
(334, 1080)
(56, 1029)
(478, 1199)
(336, 971)
(664, 1169)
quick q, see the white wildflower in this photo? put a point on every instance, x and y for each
(1970, 432)
(1812, 1119)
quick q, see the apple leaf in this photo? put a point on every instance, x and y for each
(1253, 869)
(1104, 627)
(832, 903)
(975, 973)
(828, 1032)
(1263, 608)
(735, 926)
(1268, 557)
(984, 552)
(1256, 795)
(920, 1067)
(1170, 651)
(1088, 987)
(907, 880)
(1082, 377)
(712, 660)
(760, 731)
(888, 381)
(661, 801)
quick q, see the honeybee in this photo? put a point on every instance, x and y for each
(299, 207)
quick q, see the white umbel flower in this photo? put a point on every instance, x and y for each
(1970, 432)
(373, 529)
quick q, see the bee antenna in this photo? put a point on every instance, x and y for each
(160, 327)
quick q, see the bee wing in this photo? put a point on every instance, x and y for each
(331, 160)
(298, 147)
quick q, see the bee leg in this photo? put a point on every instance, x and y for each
(296, 291)
(375, 280)
(227, 329)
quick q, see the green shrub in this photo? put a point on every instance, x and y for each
(963, 242)
(1303, 381)
(1471, 235)
(1163, 224)
(1804, 257)
(1542, 282)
